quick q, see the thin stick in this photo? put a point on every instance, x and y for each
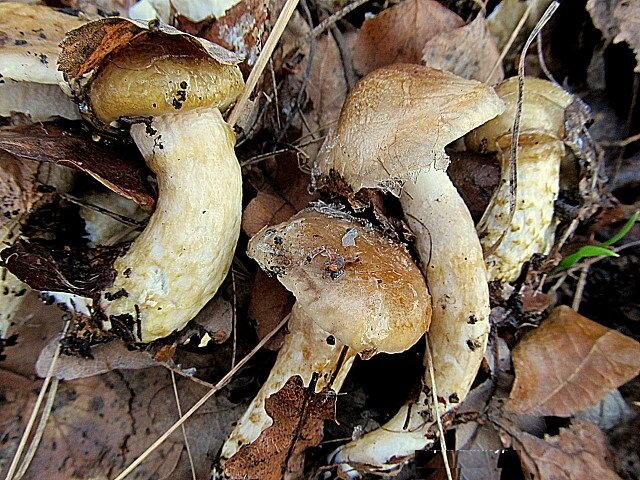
(582, 282)
(263, 59)
(42, 424)
(234, 321)
(434, 394)
(36, 407)
(226, 379)
(184, 430)
(620, 143)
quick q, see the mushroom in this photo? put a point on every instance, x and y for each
(357, 292)
(29, 80)
(509, 242)
(392, 131)
(179, 84)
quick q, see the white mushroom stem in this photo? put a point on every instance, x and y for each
(178, 262)
(306, 350)
(509, 244)
(452, 262)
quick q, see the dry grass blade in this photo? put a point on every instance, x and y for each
(436, 414)
(263, 59)
(217, 387)
(184, 430)
(36, 408)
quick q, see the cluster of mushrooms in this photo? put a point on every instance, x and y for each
(357, 291)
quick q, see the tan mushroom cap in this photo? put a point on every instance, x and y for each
(148, 80)
(29, 38)
(397, 120)
(543, 108)
(356, 284)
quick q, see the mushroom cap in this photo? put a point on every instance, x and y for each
(118, 67)
(29, 38)
(543, 107)
(356, 284)
(397, 120)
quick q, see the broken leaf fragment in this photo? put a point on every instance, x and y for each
(570, 363)
(298, 415)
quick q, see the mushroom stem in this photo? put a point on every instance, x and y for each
(533, 226)
(162, 285)
(307, 349)
(454, 267)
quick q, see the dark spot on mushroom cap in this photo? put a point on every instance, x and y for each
(331, 340)
(183, 85)
(453, 398)
(21, 42)
(472, 320)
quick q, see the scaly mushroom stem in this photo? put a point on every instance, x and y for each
(306, 350)
(510, 242)
(163, 284)
(533, 226)
(453, 265)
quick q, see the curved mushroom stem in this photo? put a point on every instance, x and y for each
(178, 262)
(307, 349)
(452, 262)
(531, 230)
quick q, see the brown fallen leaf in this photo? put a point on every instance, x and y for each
(627, 13)
(568, 364)
(398, 34)
(121, 170)
(284, 195)
(298, 418)
(579, 451)
(476, 177)
(106, 357)
(327, 87)
(100, 424)
(468, 51)
(270, 303)
(241, 29)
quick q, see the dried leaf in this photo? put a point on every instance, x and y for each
(121, 170)
(216, 318)
(270, 303)
(277, 202)
(476, 177)
(106, 357)
(298, 418)
(627, 13)
(100, 424)
(577, 452)
(398, 34)
(570, 363)
(609, 412)
(327, 87)
(241, 29)
(468, 51)
(601, 12)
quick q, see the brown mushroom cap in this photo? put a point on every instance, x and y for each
(397, 120)
(543, 108)
(355, 283)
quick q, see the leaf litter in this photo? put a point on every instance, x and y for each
(564, 366)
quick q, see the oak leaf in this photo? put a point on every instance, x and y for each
(270, 303)
(298, 418)
(570, 363)
(627, 13)
(398, 34)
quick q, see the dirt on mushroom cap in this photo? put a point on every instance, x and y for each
(359, 286)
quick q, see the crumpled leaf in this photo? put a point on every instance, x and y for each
(570, 363)
(398, 34)
(298, 418)
(121, 170)
(468, 51)
(611, 411)
(627, 13)
(216, 318)
(577, 452)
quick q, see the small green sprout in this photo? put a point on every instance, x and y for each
(601, 250)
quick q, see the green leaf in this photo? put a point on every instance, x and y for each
(584, 252)
(623, 231)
